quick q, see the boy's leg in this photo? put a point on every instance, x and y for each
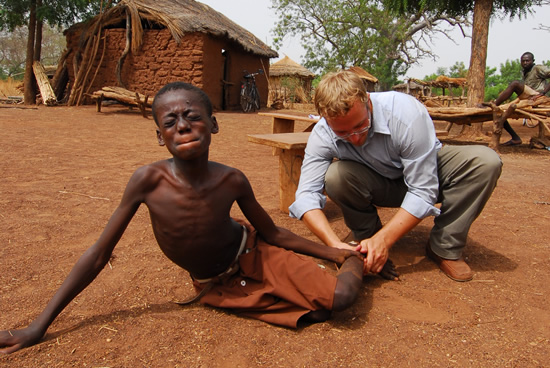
(357, 189)
(467, 177)
(349, 281)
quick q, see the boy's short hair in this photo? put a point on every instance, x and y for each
(337, 92)
(174, 86)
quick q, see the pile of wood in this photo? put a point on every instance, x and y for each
(538, 111)
(122, 96)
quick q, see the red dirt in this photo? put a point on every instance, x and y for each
(63, 173)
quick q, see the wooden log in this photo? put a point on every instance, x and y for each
(46, 90)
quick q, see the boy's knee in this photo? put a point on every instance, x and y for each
(347, 290)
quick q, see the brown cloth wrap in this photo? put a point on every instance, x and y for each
(273, 284)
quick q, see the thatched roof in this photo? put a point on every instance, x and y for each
(363, 74)
(180, 17)
(443, 82)
(288, 67)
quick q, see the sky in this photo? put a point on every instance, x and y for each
(508, 40)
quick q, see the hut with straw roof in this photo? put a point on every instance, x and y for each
(289, 80)
(141, 45)
(369, 80)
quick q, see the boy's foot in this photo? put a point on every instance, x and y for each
(457, 270)
(511, 142)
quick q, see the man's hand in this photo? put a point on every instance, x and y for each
(376, 254)
(13, 340)
(536, 97)
(388, 270)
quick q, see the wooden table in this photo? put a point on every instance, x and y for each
(291, 154)
(284, 123)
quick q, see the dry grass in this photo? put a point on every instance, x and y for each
(9, 87)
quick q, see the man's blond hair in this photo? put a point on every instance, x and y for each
(337, 92)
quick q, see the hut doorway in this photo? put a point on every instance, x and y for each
(226, 85)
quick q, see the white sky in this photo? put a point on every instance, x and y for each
(507, 39)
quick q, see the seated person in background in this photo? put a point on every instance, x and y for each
(533, 85)
(387, 155)
(251, 269)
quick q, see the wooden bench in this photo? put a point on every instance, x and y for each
(291, 148)
(291, 154)
(284, 123)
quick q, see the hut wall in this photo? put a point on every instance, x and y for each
(197, 59)
(159, 61)
(237, 60)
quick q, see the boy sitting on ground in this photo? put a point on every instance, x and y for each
(247, 268)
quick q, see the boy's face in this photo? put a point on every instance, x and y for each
(184, 125)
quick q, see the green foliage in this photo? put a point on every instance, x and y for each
(15, 13)
(358, 33)
(458, 70)
(461, 7)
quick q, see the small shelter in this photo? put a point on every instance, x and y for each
(453, 90)
(143, 44)
(413, 88)
(290, 80)
(369, 80)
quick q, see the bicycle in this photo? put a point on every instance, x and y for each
(250, 97)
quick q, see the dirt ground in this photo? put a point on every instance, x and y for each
(63, 171)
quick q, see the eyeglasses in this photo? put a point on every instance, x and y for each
(357, 132)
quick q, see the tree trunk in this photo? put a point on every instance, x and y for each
(478, 56)
(29, 81)
(38, 37)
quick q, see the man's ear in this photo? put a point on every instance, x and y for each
(160, 139)
(215, 126)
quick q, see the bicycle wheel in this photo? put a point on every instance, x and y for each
(255, 98)
(244, 99)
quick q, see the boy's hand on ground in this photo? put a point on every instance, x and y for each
(13, 340)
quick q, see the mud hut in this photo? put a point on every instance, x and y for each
(289, 81)
(369, 80)
(143, 44)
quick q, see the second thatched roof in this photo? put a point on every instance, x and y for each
(180, 17)
(363, 74)
(288, 67)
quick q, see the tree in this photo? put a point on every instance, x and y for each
(12, 55)
(33, 13)
(360, 33)
(482, 11)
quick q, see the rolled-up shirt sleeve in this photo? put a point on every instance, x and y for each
(309, 195)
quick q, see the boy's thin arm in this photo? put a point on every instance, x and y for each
(284, 238)
(83, 273)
